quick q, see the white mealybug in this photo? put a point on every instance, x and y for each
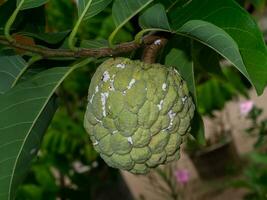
(104, 97)
(171, 115)
(130, 140)
(164, 86)
(184, 99)
(157, 42)
(122, 66)
(160, 104)
(131, 84)
(106, 76)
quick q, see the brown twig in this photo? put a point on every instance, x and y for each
(82, 52)
(151, 51)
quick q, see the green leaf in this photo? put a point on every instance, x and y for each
(94, 44)
(155, 17)
(198, 129)
(234, 20)
(50, 38)
(28, 4)
(212, 36)
(182, 61)
(169, 4)
(217, 39)
(86, 10)
(29, 108)
(95, 7)
(206, 62)
(235, 80)
(258, 158)
(11, 67)
(5, 11)
(124, 10)
(212, 95)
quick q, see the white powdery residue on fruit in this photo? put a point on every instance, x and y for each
(104, 97)
(95, 143)
(98, 120)
(96, 89)
(130, 140)
(157, 42)
(184, 99)
(164, 86)
(132, 82)
(171, 115)
(160, 104)
(176, 71)
(106, 76)
(91, 99)
(122, 66)
(111, 87)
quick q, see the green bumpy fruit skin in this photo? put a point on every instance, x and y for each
(138, 114)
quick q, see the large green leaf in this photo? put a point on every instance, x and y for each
(94, 44)
(183, 62)
(90, 8)
(51, 38)
(28, 4)
(11, 68)
(234, 20)
(5, 11)
(25, 112)
(206, 62)
(170, 4)
(212, 95)
(198, 128)
(155, 17)
(124, 10)
(214, 37)
(217, 39)
(86, 10)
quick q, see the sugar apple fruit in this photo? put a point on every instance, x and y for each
(137, 114)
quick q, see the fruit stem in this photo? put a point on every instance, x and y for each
(151, 51)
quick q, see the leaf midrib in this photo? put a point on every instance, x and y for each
(30, 130)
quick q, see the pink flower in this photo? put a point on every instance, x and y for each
(182, 176)
(246, 106)
(80, 168)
